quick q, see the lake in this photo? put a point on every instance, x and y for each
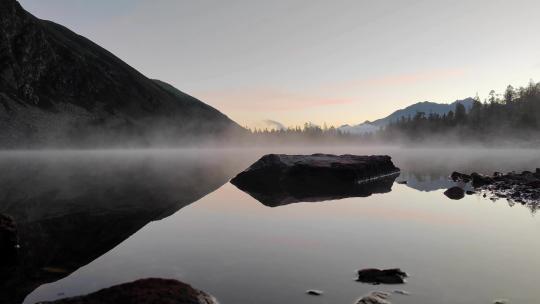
(92, 219)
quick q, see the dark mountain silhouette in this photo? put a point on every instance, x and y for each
(57, 87)
(427, 107)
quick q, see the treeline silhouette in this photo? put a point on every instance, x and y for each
(511, 116)
(308, 133)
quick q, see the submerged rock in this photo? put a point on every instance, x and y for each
(455, 193)
(278, 179)
(314, 292)
(145, 291)
(384, 276)
(375, 297)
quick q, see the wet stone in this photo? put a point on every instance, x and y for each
(381, 276)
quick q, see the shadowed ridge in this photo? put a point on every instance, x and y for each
(57, 86)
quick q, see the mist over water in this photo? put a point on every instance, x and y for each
(92, 219)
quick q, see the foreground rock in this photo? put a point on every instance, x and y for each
(145, 291)
(378, 276)
(278, 179)
(8, 239)
(521, 187)
(375, 297)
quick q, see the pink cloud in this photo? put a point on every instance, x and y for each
(273, 99)
(268, 99)
(396, 80)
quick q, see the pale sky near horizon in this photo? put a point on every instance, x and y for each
(319, 61)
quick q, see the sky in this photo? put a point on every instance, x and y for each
(334, 62)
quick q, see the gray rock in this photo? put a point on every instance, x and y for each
(279, 179)
(314, 292)
(384, 276)
(375, 297)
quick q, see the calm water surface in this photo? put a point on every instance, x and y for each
(221, 240)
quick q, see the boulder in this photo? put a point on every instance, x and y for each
(534, 184)
(457, 176)
(455, 193)
(278, 179)
(479, 180)
(145, 291)
(378, 276)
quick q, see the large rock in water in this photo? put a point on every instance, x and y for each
(278, 179)
(58, 88)
(381, 276)
(145, 291)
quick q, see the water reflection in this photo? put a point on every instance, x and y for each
(88, 210)
(71, 208)
(292, 193)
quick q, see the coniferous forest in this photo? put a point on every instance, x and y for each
(508, 117)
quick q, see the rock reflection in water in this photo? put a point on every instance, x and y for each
(288, 195)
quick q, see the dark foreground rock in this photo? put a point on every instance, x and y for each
(521, 187)
(8, 240)
(384, 276)
(375, 297)
(455, 193)
(278, 179)
(145, 291)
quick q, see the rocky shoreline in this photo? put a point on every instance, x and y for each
(523, 188)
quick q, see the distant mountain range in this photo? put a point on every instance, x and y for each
(57, 88)
(426, 107)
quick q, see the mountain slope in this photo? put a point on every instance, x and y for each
(426, 107)
(57, 87)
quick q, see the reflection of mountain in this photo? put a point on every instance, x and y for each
(296, 194)
(71, 210)
(426, 182)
